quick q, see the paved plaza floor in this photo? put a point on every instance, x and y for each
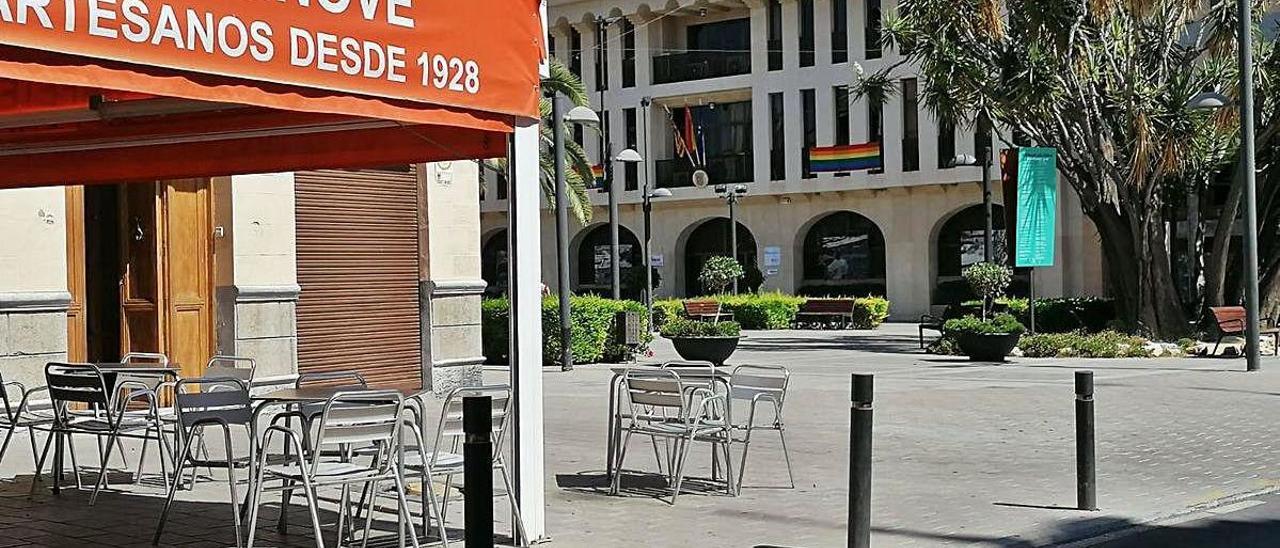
(965, 454)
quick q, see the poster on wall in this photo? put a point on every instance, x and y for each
(846, 257)
(603, 266)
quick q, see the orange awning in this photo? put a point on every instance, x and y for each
(84, 99)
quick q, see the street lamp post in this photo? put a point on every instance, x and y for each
(627, 156)
(1244, 15)
(649, 195)
(581, 116)
(606, 150)
(732, 198)
(988, 238)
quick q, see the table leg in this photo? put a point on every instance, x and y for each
(282, 526)
(57, 463)
(611, 451)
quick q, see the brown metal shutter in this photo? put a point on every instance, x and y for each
(358, 268)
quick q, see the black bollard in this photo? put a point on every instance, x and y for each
(477, 454)
(860, 462)
(1086, 465)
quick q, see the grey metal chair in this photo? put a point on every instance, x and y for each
(445, 460)
(662, 406)
(231, 367)
(85, 384)
(211, 402)
(26, 413)
(160, 384)
(349, 419)
(756, 385)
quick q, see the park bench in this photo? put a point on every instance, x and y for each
(704, 310)
(934, 320)
(826, 313)
(1230, 321)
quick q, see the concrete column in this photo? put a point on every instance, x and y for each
(257, 278)
(760, 128)
(450, 286)
(759, 36)
(790, 34)
(793, 122)
(613, 45)
(928, 129)
(825, 116)
(644, 50)
(33, 282)
(822, 33)
(893, 131)
(588, 33)
(857, 30)
(561, 52)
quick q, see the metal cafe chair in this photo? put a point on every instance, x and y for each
(211, 402)
(85, 384)
(161, 387)
(26, 413)
(661, 406)
(445, 460)
(757, 385)
(348, 419)
(231, 367)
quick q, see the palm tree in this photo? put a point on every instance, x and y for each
(561, 81)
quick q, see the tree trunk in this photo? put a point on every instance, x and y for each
(1138, 268)
(1215, 265)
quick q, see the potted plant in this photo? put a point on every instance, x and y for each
(703, 341)
(989, 281)
(985, 340)
(718, 272)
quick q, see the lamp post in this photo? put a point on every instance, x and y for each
(606, 150)
(732, 197)
(627, 156)
(988, 241)
(578, 116)
(649, 195)
(1212, 101)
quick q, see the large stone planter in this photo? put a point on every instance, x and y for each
(710, 349)
(981, 347)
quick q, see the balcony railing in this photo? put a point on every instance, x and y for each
(699, 65)
(725, 169)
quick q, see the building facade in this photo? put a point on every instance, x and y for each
(308, 271)
(761, 81)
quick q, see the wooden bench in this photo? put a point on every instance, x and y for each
(1230, 321)
(934, 320)
(826, 312)
(703, 310)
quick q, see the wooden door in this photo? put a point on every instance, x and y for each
(186, 252)
(141, 286)
(77, 323)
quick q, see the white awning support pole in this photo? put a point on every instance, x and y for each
(525, 286)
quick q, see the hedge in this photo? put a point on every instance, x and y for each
(591, 329)
(773, 310)
(1107, 344)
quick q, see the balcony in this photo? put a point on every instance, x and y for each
(725, 169)
(699, 65)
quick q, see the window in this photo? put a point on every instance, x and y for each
(844, 254)
(810, 115)
(874, 25)
(774, 43)
(551, 44)
(575, 52)
(839, 31)
(875, 123)
(910, 126)
(602, 56)
(579, 135)
(841, 109)
(806, 33)
(630, 169)
(982, 138)
(946, 144)
(628, 54)
(777, 139)
(724, 133)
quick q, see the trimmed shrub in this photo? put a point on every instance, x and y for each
(681, 327)
(870, 312)
(1106, 344)
(718, 272)
(1065, 315)
(665, 310)
(591, 329)
(762, 311)
(998, 324)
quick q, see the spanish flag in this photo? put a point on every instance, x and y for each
(845, 158)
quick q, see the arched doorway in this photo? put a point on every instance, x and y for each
(844, 255)
(493, 263)
(712, 238)
(961, 243)
(594, 264)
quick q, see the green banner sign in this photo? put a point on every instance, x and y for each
(1037, 219)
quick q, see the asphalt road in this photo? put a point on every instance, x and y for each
(1252, 523)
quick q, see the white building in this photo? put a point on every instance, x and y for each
(765, 80)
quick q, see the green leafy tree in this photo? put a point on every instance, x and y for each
(1106, 82)
(989, 281)
(561, 81)
(718, 272)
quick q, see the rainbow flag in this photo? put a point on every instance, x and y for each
(845, 158)
(597, 174)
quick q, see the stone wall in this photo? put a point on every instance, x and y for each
(33, 282)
